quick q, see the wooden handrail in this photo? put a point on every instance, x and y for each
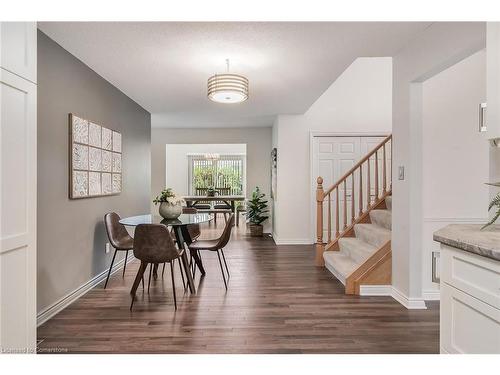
(381, 190)
(356, 166)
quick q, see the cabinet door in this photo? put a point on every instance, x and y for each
(467, 324)
(492, 80)
(17, 213)
(18, 48)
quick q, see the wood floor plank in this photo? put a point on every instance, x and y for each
(277, 302)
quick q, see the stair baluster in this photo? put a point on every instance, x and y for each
(329, 218)
(352, 200)
(337, 232)
(321, 195)
(384, 173)
(376, 176)
(368, 187)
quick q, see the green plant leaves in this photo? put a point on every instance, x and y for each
(257, 209)
(495, 202)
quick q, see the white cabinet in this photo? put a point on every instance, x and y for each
(470, 303)
(492, 117)
(18, 165)
(18, 48)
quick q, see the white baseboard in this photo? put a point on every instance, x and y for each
(71, 297)
(409, 303)
(431, 295)
(291, 241)
(375, 290)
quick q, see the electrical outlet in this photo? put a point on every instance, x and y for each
(401, 172)
(108, 247)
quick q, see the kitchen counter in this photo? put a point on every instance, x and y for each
(471, 238)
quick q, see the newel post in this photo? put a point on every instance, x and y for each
(320, 246)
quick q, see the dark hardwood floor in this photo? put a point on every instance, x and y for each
(277, 302)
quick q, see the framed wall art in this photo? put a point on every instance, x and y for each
(95, 159)
(274, 173)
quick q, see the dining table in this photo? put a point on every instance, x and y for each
(182, 236)
(230, 200)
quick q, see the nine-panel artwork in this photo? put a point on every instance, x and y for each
(95, 159)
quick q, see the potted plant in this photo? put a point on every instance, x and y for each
(495, 202)
(257, 212)
(211, 191)
(170, 204)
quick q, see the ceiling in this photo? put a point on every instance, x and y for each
(164, 66)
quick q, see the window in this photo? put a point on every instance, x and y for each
(226, 173)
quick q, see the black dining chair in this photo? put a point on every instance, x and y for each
(154, 245)
(119, 239)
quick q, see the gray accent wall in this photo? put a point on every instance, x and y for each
(71, 234)
(258, 141)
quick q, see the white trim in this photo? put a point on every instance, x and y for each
(71, 297)
(313, 134)
(462, 220)
(408, 302)
(375, 290)
(291, 241)
(431, 295)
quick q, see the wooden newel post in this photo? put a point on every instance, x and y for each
(320, 246)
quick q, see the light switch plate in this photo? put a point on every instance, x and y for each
(401, 172)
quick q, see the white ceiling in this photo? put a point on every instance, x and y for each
(164, 66)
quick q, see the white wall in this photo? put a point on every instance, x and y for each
(454, 154)
(177, 169)
(437, 48)
(359, 100)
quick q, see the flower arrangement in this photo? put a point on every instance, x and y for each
(168, 196)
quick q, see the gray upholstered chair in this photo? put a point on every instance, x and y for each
(119, 239)
(217, 245)
(153, 244)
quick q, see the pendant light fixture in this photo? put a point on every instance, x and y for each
(228, 87)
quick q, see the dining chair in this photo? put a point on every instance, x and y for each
(154, 245)
(221, 205)
(193, 229)
(119, 239)
(217, 245)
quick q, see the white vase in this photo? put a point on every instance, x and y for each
(169, 210)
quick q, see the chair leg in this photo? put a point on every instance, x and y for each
(110, 268)
(173, 283)
(150, 269)
(222, 270)
(237, 218)
(163, 271)
(225, 263)
(125, 264)
(182, 273)
(138, 277)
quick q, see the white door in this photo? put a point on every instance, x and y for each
(332, 158)
(17, 191)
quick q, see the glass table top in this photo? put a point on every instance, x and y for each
(184, 219)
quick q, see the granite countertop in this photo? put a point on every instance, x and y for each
(471, 238)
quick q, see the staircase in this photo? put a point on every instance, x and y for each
(357, 230)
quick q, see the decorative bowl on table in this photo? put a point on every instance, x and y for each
(170, 211)
(170, 204)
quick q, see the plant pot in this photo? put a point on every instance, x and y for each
(170, 211)
(255, 230)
